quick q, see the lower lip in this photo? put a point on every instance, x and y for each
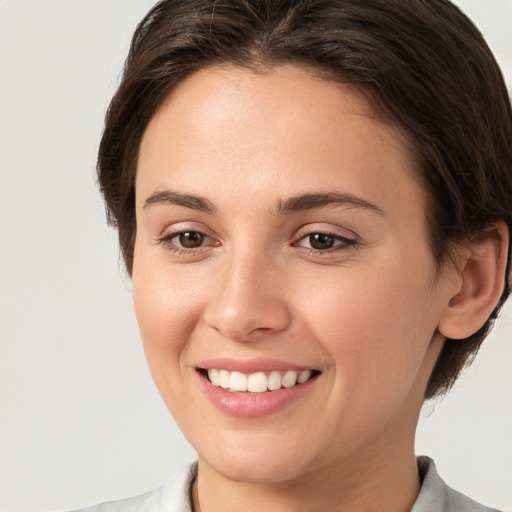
(253, 405)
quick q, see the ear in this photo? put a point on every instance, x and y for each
(481, 274)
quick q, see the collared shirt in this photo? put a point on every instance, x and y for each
(434, 496)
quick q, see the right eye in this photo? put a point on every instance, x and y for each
(189, 239)
(183, 242)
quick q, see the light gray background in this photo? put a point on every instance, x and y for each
(80, 418)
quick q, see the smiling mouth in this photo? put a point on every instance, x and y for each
(258, 382)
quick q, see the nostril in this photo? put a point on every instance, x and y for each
(244, 308)
(260, 329)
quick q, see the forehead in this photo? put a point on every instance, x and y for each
(284, 128)
(227, 95)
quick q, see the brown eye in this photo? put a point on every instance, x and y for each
(191, 239)
(326, 243)
(321, 241)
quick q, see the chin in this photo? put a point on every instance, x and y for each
(256, 465)
(262, 473)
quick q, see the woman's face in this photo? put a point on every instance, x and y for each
(280, 229)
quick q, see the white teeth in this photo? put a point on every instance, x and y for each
(304, 376)
(213, 375)
(274, 381)
(224, 379)
(258, 382)
(238, 382)
(289, 379)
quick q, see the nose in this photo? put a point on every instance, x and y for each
(249, 299)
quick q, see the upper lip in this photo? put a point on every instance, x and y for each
(253, 365)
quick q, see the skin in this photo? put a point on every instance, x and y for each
(365, 313)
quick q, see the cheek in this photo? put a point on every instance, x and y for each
(166, 307)
(375, 327)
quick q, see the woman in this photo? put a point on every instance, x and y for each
(314, 202)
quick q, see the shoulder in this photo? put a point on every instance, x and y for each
(143, 503)
(171, 497)
(437, 496)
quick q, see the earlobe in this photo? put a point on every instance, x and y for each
(482, 264)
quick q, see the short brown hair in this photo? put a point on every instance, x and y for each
(423, 63)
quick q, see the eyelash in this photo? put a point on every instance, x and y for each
(167, 242)
(341, 243)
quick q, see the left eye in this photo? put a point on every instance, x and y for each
(320, 241)
(324, 241)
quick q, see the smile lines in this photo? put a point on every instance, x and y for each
(258, 382)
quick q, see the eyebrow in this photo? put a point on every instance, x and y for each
(284, 207)
(189, 201)
(313, 201)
